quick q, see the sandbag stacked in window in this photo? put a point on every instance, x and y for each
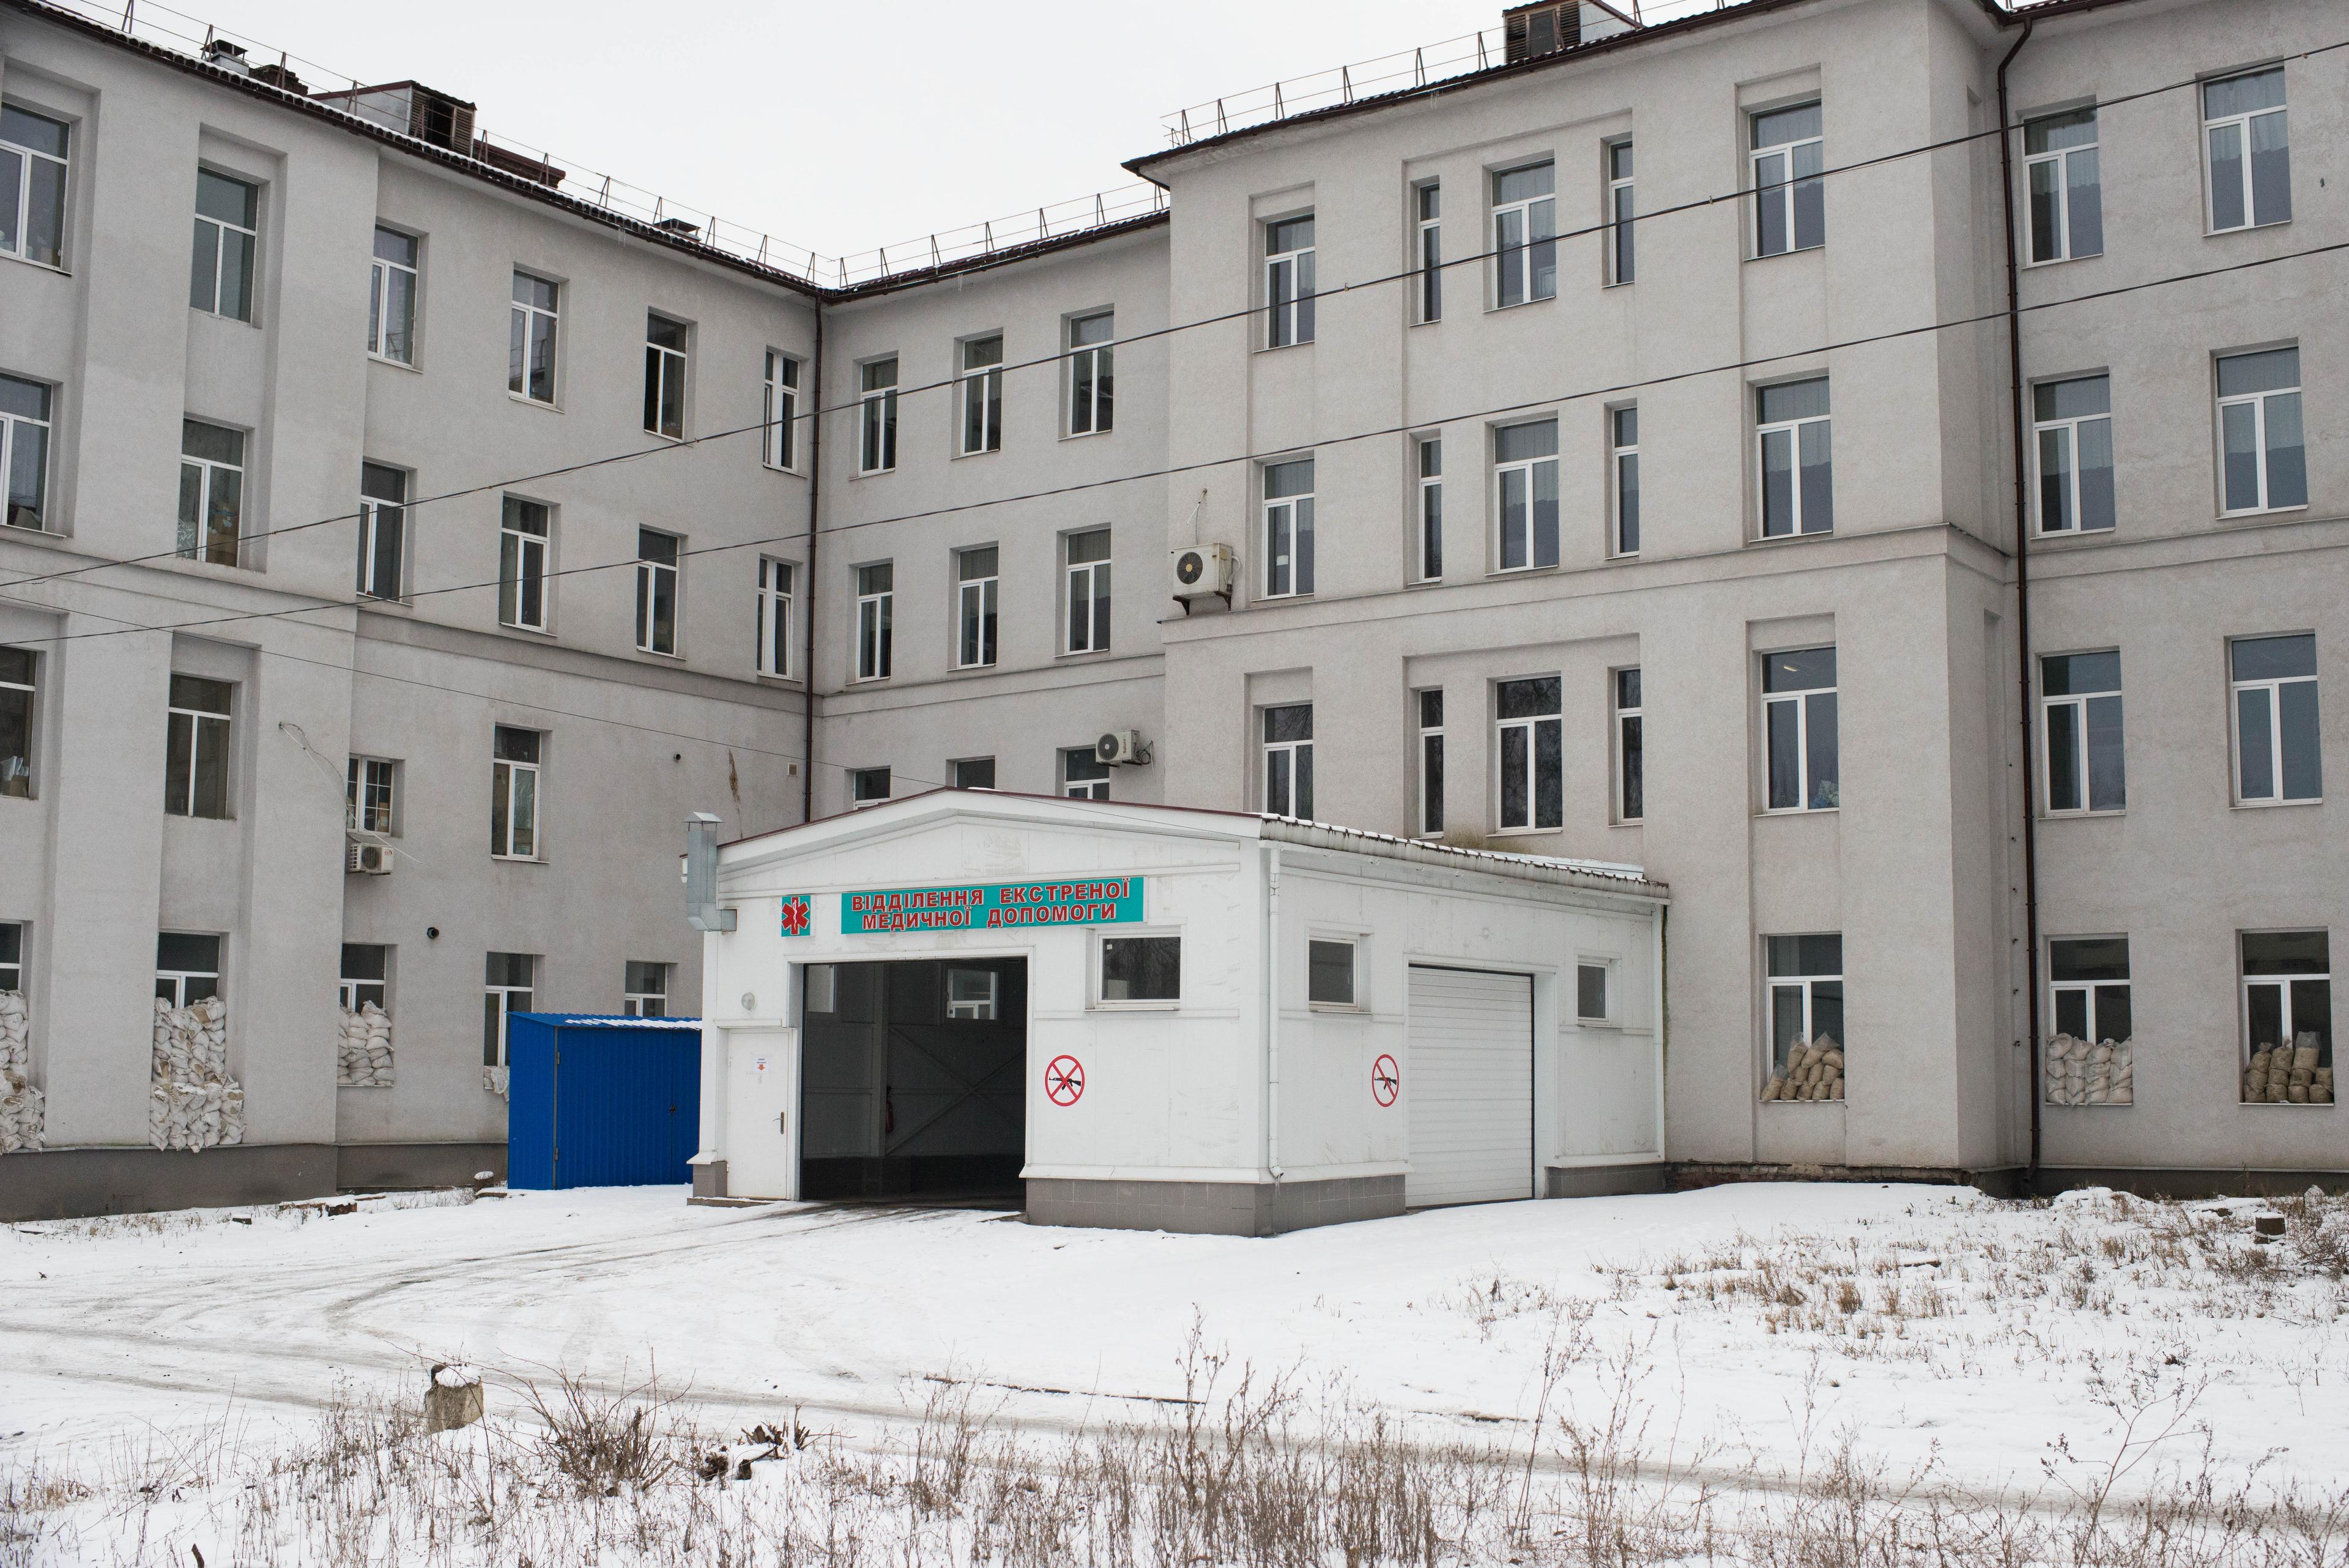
(2289, 1075)
(2090, 1072)
(1814, 1072)
(193, 1104)
(20, 1103)
(493, 1079)
(364, 1048)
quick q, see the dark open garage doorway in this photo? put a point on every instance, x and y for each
(913, 1079)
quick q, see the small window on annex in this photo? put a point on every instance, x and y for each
(1141, 970)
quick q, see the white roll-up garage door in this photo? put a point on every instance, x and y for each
(1470, 1087)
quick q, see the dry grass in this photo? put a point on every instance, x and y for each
(285, 1216)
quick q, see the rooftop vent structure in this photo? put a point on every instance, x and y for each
(228, 57)
(410, 109)
(680, 227)
(1530, 32)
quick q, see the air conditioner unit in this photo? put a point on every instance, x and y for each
(374, 860)
(1202, 571)
(1124, 747)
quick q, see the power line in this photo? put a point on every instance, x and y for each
(1382, 433)
(1060, 356)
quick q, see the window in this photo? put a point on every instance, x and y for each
(523, 534)
(1590, 991)
(971, 994)
(227, 233)
(1620, 246)
(211, 491)
(1289, 281)
(1525, 494)
(1805, 994)
(2278, 756)
(1525, 234)
(1623, 425)
(1430, 509)
(1531, 753)
(513, 794)
(1798, 715)
(187, 967)
(1087, 570)
(780, 445)
(876, 600)
(664, 377)
(1790, 210)
(657, 556)
(32, 186)
(1084, 775)
(1797, 455)
(366, 795)
(506, 990)
(868, 786)
(1288, 760)
(975, 773)
(2287, 1004)
(530, 348)
(383, 519)
(1287, 528)
(1427, 201)
(1330, 973)
(2081, 695)
(644, 990)
(982, 385)
(775, 579)
(12, 956)
(1140, 969)
(1092, 374)
(2088, 984)
(1431, 763)
(366, 970)
(392, 296)
(195, 767)
(2264, 464)
(1631, 749)
(17, 689)
(877, 450)
(2250, 156)
(2067, 205)
(975, 607)
(2073, 424)
(24, 452)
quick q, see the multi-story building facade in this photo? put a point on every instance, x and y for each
(1619, 449)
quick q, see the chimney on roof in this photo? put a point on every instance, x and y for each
(680, 227)
(228, 57)
(280, 76)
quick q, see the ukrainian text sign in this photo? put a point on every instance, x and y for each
(991, 905)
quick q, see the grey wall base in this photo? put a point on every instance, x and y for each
(1602, 1180)
(68, 1183)
(709, 1180)
(2153, 1183)
(397, 1167)
(2005, 1182)
(1213, 1208)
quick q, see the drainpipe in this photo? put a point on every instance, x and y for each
(2021, 597)
(1272, 1011)
(809, 597)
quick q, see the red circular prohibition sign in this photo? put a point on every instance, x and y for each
(1386, 1080)
(1064, 1080)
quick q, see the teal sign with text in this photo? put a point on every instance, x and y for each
(991, 905)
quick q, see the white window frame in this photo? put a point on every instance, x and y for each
(1288, 286)
(1099, 962)
(29, 158)
(1622, 248)
(1622, 541)
(632, 1003)
(2087, 990)
(1630, 721)
(778, 443)
(1353, 1001)
(1806, 986)
(1091, 784)
(2283, 984)
(1799, 700)
(222, 228)
(1093, 375)
(208, 472)
(2241, 126)
(1528, 472)
(1513, 263)
(859, 777)
(1427, 212)
(1085, 583)
(13, 429)
(356, 990)
(212, 731)
(1792, 431)
(1429, 555)
(2258, 403)
(654, 574)
(876, 424)
(378, 515)
(1604, 965)
(514, 782)
(1431, 761)
(371, 795)
(2069, 429)
(663, 364)
(979, 1006)
(2272, 686)
(957, 764)
(526, 316)
(14, 785)
(2083, 753)
(978, 386)
(877, 617)
(1781, 193)
(383, 272)
(975, 613)
(1287, 534)
(1532, 725)
(523, 557)
(502, 995)
(178, 977)
(2058, 161)
(12, 968)
(1294, 796)
(778, 580)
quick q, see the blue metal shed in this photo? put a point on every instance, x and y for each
(599, 1101)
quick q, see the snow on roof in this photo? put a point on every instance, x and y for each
(611, 1020)
(1330, 834)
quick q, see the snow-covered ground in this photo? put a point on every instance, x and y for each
(1740, 1328)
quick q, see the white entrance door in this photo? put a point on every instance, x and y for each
(1470, 1087)
(761, 1100)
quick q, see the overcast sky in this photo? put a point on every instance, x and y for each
(844, 125)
